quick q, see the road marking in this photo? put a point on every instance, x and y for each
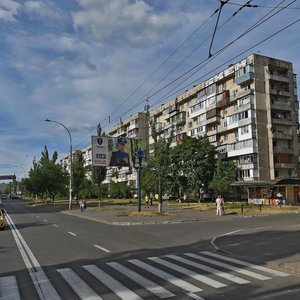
(246, 264)
(192, 274)
(45, 220)
(214, 271)
(72, 233)
(38, 217)
(78, 285)
(166, 276)
(55, 225)
(194, 296)
(229, 267)
(41, 282)
(9, 288)
(101, 248)
(118, 288)
(141, 280)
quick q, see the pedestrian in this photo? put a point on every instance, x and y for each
(147, 200)
(84, 204)
(81, 205)
(151, 199)
(222, 205)
(219, 205)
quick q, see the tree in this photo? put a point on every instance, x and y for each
(160, 165)
(46, 177)
(197, 161)
(79, 173)
(225, 174)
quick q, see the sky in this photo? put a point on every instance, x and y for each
(85, 62)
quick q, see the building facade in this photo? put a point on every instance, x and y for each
(249, 112)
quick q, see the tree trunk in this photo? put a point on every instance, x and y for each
(160, 204)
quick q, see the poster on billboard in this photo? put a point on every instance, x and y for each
(119, 152)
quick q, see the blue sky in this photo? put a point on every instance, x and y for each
(78, 62)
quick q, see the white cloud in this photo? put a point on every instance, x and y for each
(121, 21)
(8, 10)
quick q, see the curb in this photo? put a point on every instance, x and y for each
(129, 223)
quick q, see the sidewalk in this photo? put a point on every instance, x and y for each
(122, 215)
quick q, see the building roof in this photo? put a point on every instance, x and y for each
(286, 181)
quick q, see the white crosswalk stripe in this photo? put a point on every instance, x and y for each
(246, 264)
(229, 267)
(192, 274)
(9, 288)
(83, 291)
(209, 269)
(114, 285)
(113, 274)
(166, 276)
(146, 283)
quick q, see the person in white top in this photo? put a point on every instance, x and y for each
(219, 203)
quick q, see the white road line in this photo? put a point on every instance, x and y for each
(101, 248)
(38, 217)
(9, 288)
(229, 267)
(82, 290)
(190, 288)
(209, 269)
(246, 264)
(41, 282)
(118, 288)
(55, 225)
(45, 220)
(72, 233)
(194, 296)
(192, 274)
(151, 286)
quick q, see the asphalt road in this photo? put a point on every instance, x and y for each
(50, 255)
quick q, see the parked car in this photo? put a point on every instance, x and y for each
(2, 220)
(4, 196)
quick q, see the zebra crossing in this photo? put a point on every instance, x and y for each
(188, 273)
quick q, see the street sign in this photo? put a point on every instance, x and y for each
(5, 177)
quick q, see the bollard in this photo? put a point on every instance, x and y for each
(260, 207)
(242, 208)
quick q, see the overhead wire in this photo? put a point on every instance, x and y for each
(258, 23)
(228, 61)
(170, 83)
(108, 118)
(218, 52)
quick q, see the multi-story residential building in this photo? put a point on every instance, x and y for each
(249, 112)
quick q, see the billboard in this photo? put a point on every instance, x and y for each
(119, 152)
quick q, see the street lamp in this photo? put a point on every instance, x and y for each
(70, 182)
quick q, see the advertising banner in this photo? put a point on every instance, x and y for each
(119, 152)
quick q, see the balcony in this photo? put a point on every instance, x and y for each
(283, 150)
(180, 121)
(213, 120)
(280, 78)
(282, 136)
(280, 105)
(280, 93)
(133, 125)
(245, 78)
(284, 165)
(282, 121)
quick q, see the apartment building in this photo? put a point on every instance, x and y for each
(249, 112)
(136, 126)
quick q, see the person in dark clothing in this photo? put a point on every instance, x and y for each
(120, 158)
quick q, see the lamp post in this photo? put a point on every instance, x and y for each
(70, 181)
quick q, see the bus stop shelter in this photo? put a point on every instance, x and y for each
(266, 191)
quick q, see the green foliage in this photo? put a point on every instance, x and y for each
(196, 161)
(46, 177)
(79, 173)
(225, 174)
(119, 190)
